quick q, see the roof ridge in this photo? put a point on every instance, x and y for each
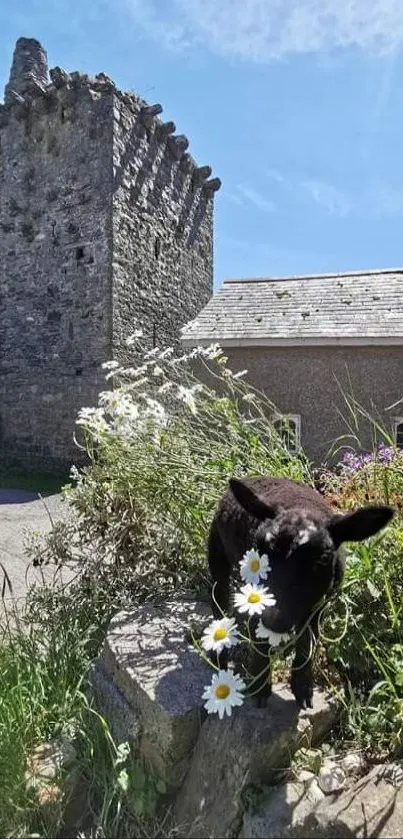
(362, 273)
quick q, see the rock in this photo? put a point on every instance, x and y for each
(332, 778)
(373, 807)
(315, 794)
(305, 777)
(250, 747)
(122, 719)
(353, 764)
(286, 807)
(44, 766)
(48, 759)
(149, 682)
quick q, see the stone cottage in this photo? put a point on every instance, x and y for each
(106, 222)
(308, 342)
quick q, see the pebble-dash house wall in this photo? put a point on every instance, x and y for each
(106, 223)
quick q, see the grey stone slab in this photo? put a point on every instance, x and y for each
(148, 657)
(250, 747)
(121, 717)
(371, 809)
(286, 805)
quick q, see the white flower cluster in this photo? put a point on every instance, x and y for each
(140, 403)
(226, 689)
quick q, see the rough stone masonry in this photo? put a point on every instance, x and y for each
(106, 223)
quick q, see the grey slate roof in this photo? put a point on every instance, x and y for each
(337, 308)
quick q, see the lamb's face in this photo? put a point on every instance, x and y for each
(303, 561)
(303, 547)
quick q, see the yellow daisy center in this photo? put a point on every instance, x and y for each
(222, 691)
(255, 565)
(220, 634)
(254, 597)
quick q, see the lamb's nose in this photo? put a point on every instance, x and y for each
(273, 618)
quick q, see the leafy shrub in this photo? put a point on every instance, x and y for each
(365, 621)
(162, 445)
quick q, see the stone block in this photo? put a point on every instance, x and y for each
(373, 807)
(286, 805)
(150, 675)
(122, 718)
(251, 747)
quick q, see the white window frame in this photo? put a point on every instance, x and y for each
(296, 419)
(396, 421)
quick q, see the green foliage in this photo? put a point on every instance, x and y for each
(365, 621)
(123, 795)
(44, 660)
(162, 446)
(41, 682)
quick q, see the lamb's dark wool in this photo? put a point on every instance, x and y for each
(291, 523)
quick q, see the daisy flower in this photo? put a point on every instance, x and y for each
(253, 599)
(254, 567)
(224, 693)
(274, 638)
(220, 634)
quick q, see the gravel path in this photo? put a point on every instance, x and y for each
(22, 512)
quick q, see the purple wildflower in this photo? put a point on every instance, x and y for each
(385, 453)
(352, 461)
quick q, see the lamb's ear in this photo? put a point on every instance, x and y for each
(251, 502)
(365, 522)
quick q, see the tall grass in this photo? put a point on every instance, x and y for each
(366, 619)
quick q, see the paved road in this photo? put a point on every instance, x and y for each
(21, 513)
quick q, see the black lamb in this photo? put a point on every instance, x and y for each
(299, 532)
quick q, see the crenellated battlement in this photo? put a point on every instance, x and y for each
(33, 89)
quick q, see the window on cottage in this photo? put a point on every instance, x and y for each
(288, 426)
(398, 432)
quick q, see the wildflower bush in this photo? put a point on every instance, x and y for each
(362, 628)
(162, 443)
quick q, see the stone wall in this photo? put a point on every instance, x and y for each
(104, 221)
(163, 250)
(314, 382)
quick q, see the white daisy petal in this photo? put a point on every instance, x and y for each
(224, 693)
(254, 567)
(274, 638)
(253, 599)
(219, 635)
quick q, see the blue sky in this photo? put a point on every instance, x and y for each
(296, 104)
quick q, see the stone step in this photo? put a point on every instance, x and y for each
(253, 746)
(148, 683)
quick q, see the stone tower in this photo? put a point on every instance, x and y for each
(105, 224)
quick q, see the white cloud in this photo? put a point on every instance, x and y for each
(332, 199)
(375, 198)
(256, 198)
(260, 30)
